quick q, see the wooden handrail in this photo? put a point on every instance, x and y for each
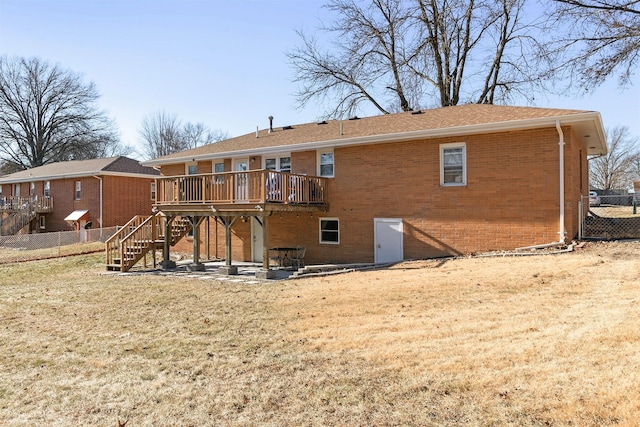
(112, 245)
(256, 186)
(40, 204)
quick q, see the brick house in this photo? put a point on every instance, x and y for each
(431, 183)
(76, 194)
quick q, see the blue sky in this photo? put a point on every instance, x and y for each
(219, 62)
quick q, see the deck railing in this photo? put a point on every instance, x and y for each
(257, 186)
(39, 204)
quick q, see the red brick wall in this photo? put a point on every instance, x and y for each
(125, 197)
(511, 198)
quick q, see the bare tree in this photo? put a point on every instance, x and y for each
(48, 114)
(602, 37)
(164, 134)
(197, 134)
(618, 168)
(392, 54)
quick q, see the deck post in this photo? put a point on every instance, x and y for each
(265, 243)
(228, 268)
(195, 225)
(265, 272)
(166, 262)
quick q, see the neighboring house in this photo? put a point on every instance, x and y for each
(76, 195)
(431, 183)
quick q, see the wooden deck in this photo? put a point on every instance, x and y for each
(39, 204)
(248, 192)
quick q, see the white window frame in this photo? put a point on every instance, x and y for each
(32, 188)
(328, 242)
(445, 147)
(78, 190)
(43, 224)
(189, 165)
(153, 190)
(46, 189)
(320, 164)
(278, 158)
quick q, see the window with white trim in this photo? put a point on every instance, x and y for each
(453, 164)
(330, 231)
(192, 169)
(43, 224)
(326, 163)
(280, 163)
(78, 189)
(47, 189)
(32, 188)
(153, 191)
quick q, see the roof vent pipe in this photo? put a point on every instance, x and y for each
(270, 124)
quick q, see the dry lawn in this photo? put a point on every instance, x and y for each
(510, 341)
(11, 255)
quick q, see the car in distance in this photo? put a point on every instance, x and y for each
(594, 199)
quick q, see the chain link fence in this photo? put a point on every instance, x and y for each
(20, 247)
(610, 217)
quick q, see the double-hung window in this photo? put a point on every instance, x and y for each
(78, 190)
(453, 164)
(219, 168)
(47, 189)
(326, 163)
(330, 230)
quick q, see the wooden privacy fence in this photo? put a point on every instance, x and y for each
(259, 186)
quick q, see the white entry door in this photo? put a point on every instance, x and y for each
(388, 240)
(256, 239)
(242, 180)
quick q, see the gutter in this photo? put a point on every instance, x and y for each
(386, 138)
(8, 180)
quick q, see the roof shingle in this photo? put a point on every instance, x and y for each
(340, 130)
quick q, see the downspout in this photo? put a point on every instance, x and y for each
(561, 240)
(561, 184)
(100, 179)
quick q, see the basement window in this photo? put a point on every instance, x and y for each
(330, 231)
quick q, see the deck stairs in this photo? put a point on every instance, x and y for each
(16, 221)
(139, 236)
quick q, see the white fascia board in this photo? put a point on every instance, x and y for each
(593, 117)
(73, 175)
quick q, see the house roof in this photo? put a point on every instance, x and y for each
(120, 166)
(446, 121)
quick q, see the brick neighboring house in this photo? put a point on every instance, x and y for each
(76, 194)
(431, 183)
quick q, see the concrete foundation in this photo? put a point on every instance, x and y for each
(195, 267)
(265, 274)
(229, 270)
(168, 264)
